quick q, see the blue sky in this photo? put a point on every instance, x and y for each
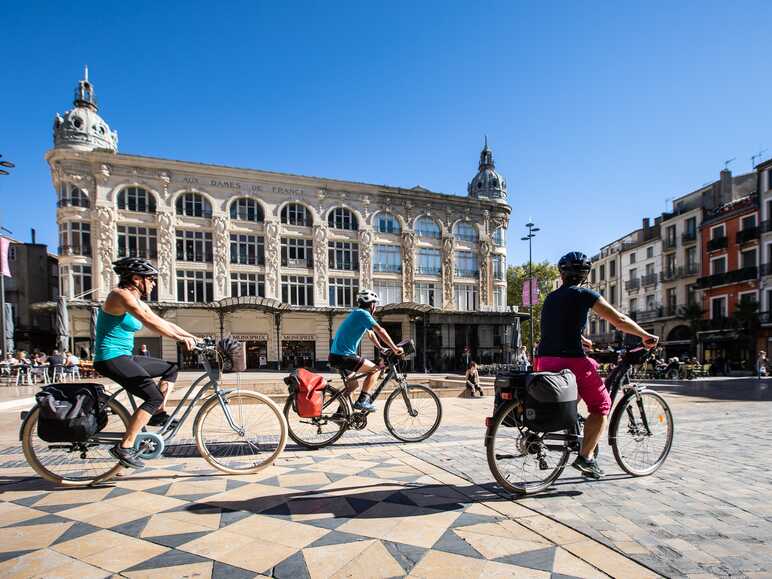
(597, 112)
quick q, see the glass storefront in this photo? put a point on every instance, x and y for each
(298, 354)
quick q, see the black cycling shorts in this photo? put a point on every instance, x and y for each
(350, 363)
(136, 373)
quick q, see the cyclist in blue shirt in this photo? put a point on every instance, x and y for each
(343, 352)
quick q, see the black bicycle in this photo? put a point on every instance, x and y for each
(412, 412)
(640, 434)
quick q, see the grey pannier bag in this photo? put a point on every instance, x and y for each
(550, 401)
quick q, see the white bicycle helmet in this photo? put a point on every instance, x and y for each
(367, 297)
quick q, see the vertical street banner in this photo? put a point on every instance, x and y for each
(5, 244)
(532, 297)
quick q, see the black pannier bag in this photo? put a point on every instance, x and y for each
(550, 401)
(71, 412)
(509, 386)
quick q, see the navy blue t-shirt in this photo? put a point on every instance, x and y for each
(563, 318)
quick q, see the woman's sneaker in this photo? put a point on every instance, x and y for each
(588, 467)
(127, 456)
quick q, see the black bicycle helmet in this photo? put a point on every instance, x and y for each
(574, 265)
(129, 266)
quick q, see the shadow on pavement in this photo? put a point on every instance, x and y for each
(751, 389)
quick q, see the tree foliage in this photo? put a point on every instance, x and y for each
(546, 274)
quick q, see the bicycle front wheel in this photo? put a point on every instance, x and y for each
(253, 438)
(322, 430)
(641, 433)
(75, 464)
(521, 461)
(412, 413)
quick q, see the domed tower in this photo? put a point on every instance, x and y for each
(488, 184)
(82, 128)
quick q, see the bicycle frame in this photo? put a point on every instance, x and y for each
(391, 374)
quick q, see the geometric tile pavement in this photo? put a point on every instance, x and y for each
(332, 513)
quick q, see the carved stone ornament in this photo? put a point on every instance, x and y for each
(447, 271)
(104, 173)
(365, 259)
(321, 235)
(321, 195)
(272, 259)
(165, 178)
(485, 252)
(166, 243)
(221, 244)
(486, 221)
(408, 264)
(106, 226)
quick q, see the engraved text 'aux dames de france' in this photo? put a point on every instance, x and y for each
(245, 187)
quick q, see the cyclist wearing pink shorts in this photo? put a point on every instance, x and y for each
(563, 317)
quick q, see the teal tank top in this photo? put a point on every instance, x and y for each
(115, 335)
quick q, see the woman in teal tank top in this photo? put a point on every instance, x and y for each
(123, 315)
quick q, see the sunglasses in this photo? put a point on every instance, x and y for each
(152, 278)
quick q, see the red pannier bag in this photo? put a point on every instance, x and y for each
(308, 392)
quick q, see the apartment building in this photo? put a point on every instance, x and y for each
(606, 279)
(641, 259)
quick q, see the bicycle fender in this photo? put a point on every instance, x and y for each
(616, 415)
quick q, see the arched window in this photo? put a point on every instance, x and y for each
(387, 223)
(342, 218)
(136, 199)
(427, 227)
(499, 237)
(246, 209)
(71, 196)
(193, 205)
(296, 214)
(465, 232)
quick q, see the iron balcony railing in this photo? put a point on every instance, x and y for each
(387, 267)
(692, 269)
(649, 279)
(466, 273)
(633, 284)
(669, 243)
(717, 243)
(746, 235)
(80, 203)
(465, 237)
(428, 270)
(671, 274)
(688, 237)
(728, 277)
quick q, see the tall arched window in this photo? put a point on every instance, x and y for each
(296, 214)
(427, 227)
(387, 223)
(342, 218)
(499, 237)
(136, 199)
(71, 196)
(246, 209)
(193, 205)
(465, 232)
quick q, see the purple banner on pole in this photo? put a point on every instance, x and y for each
(532, 297)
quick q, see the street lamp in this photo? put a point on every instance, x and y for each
(5, 164)
(531, 234)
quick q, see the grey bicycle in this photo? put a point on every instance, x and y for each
(235, 431)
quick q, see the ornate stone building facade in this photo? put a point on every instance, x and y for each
(274, 258)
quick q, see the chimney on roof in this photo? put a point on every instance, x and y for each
(33, 236)
(646, 223)
(725, 186)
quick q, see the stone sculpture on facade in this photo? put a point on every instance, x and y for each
(321, 234)
(166, 244)
(365, 259)
(485, 253)
(221, 244)
(105, 226)
(408, 264)
(272, 260)
(447, 273)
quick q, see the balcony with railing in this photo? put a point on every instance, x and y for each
(466, 272)
(734, 276)
(691, 269)
(671, 274)
(387, 267)
(633, 284)
(717, 243)
(746, 235)
(688, 237)
(649, 279)
(80, 203)
(428, 270)
(84, 250)
(646, 315)
(303, 263)
(669, 243)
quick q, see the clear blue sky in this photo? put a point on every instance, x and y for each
(597, 112)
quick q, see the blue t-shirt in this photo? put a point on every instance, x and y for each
(563, 317)
(350, 332)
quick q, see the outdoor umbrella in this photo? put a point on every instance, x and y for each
(9, 345)
(62, 325)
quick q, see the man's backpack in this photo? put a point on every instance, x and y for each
(306, 389)
(71, 412)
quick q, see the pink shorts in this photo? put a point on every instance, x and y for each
(591, 387)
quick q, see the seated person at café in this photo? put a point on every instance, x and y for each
(56, 359)
(70, 360)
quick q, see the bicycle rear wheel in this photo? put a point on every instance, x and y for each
(323, 430)
(257, 440)
(639, 450)
(412, 413)
(521, 461)
(75, 464)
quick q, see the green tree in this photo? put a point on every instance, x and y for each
(517, 275)
(692, 314)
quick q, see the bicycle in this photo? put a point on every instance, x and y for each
(412, 412)
(640, 434)
(254, 429)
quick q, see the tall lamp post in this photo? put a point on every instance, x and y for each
(531, 234)
(9, 165)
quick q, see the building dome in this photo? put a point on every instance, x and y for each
(488, 183)
(81, 127)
